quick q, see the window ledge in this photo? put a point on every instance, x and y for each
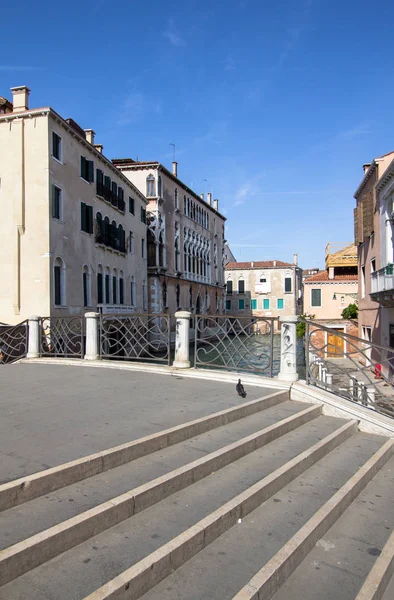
(85, 180)
(57, 160)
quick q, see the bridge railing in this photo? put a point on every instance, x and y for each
(350, 367)
(13, 342)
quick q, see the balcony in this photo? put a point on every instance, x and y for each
(382, 285)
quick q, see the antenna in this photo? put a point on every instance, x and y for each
(173, 152)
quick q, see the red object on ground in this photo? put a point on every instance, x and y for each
(378, 371)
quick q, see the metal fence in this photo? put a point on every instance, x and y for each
(350, 367)
(234, 343)
(136, 337)
(62, 336)
(13, 342)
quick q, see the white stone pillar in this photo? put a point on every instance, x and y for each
(92, 336)
(329, 379)
(182, 340)
(33, 343)
(288, 361)
(371, 392)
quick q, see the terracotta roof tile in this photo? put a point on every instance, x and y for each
(323, 276)
(263, 264)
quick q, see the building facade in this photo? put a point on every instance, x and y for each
(185, 241)
(74, 232)
(367, 234)
(263, 288)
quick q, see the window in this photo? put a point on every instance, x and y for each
(114, 289)
(99, 183)
(228, 304)
(287, 284)
(121, 235)
(131, 205)
(164, 294)
(159, 190)
(342, 299)
(121, 288)
(144, 296)
(59, 278)
(241, 304)
(132, 291)
(56, 202)
(279, 303)
(131, 242)
(86, 286)
(100, 285)
(241, 286)
(143, 215)
(87, 169)
(363, 281)
(150, 186)
(391, 335)
(176, 198)
(229, 287)
(253, 304)
(86, 218)
(121, 202)
(56, 146)
(178, 295)
(373, 265)
(315, 297)
(143, 248)
(266, 303)
(107, 286)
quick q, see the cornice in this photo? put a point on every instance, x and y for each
(386, 177)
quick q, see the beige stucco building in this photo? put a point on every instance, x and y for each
(185, 241)
(269, 288)
(73, 234)
(367, 231)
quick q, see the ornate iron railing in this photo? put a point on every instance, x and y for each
(136, 337)
(62, 336)
(350, 367)
(13, 342)
(234, 343)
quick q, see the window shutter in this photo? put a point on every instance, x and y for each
(367, 207)
(316, 297)
(241, 286)
(114, 298)
(131, 205)
(90, 219)
(107, 289)
(229, 287)
(83, 166)
(85, 289)
(83, 216)
(99, 182)
(287, 284)
(90, 170)
(54, 211)
(121, 291)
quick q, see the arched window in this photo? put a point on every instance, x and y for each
(114, 236)
(176, 198)
(121, 287)
(99, 229)
(59, 282)
(177, 256)
(100, 285)
(159, 190)
(107, 285)
(115, 287)
(178, 296)
(121, 239)
(86, 286)
(150, 186)
(191, 297)
(106, 239)
(132, 291)
(164, 293)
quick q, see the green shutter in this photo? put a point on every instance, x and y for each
(83, 216)
(280, 303)
(253, 304)
(99, 182)
(266, 303)
(287, 284)
(83, 167)
(90, 172)
(90, 218)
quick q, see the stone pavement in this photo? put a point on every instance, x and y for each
(50, 414)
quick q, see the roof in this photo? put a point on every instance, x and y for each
(369, 172)
(262, 264)
(323, 277)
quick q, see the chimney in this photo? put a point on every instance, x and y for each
(252, 264)
(209, 198)
(274, 263)
(331, 273)
(216, 204)
(20, 98)
(99, 148)
(366, 167)
(89, 133)
(202, 196)
(295, 259)
(175, 168)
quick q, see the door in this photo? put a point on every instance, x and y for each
(335, 345)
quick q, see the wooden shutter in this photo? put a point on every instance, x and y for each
(54, 207)
(90, 170)
(229, 287)
(83, 167)
(131, 205)
(90, 218)
(83, 216)
(367, 208)
(99, 182)
(287, 284)
(241, 286)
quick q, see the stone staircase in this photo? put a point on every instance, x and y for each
(268, 499)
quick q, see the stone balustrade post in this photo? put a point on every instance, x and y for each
(288, 349)
(92, 336)
(182, 342)
(371, 392)
(329, 379)
(33, 342)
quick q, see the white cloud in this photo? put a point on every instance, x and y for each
(172, 36)
(19, 68)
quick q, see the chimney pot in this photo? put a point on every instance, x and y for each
(89, 133)
(202, 196)
(216, 204)
(295, 259)
(99, 148)
(20, 98)
(274, 263)
(175, 168)
(252, 264)
(366, 167)
(209, 198)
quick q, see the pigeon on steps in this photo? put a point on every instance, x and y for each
(240, 389)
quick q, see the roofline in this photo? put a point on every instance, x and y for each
(366, 177)
(46, 111)
(289, 266)
(159, 166)
(385, 178)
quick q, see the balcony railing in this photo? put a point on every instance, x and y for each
(383, 280)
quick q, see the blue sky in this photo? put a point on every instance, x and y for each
(273, 106)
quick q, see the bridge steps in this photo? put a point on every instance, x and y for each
(165, 524)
